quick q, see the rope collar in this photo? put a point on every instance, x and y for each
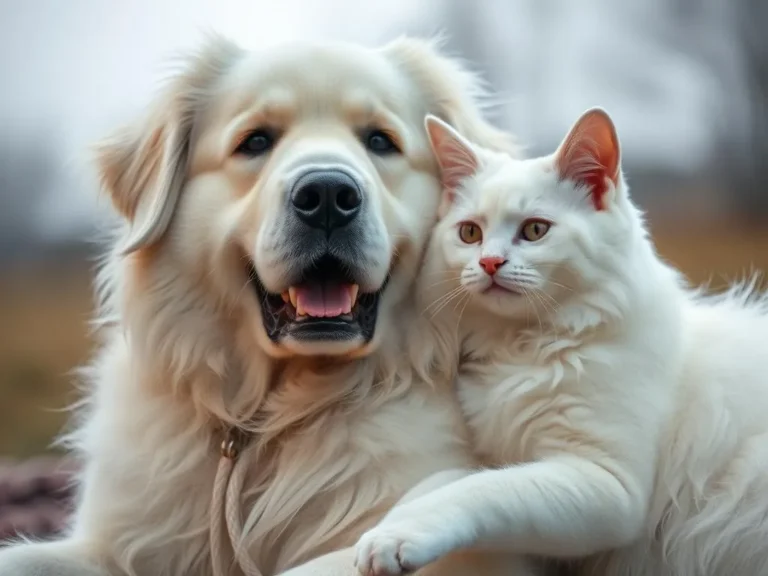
(225, 506)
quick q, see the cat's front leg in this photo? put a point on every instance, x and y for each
(391, 549)
(415, 534)
(569, 507)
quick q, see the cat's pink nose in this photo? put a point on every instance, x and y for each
(491, 264)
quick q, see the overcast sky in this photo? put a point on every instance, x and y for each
(80, 67)
(71, 70)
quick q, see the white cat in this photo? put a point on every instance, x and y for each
(623, 418)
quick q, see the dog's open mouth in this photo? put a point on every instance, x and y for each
(325, 304)
(321, 300)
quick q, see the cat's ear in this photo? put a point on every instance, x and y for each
(590, 156)
(455, 156)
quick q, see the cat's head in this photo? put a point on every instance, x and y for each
(523, 234)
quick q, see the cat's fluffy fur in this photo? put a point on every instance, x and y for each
(625, 413)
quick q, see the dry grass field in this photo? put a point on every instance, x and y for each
(44, 309)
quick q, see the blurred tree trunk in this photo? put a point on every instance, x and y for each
(27, 172)
(752, 20)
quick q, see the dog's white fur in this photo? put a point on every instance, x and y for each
(336, 439)
(622, 415)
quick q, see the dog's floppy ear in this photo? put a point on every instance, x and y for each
(144, 165)
(454, 93)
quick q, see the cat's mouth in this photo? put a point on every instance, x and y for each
(496, 289)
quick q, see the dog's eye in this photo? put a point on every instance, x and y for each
(379, 142)
(256, 143)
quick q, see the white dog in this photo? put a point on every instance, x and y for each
(253, 405)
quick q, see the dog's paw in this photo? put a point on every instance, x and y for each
(395, 549)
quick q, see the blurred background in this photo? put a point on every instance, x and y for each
(686, 82)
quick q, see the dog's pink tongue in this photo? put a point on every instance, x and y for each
(324, 301)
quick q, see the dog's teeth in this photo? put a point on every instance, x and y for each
(293, 299)
(286, 298)
(300, 311)
(353, 290)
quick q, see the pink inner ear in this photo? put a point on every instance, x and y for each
(590, 156)
(456, 167)
(455, 156)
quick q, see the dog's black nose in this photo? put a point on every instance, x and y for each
(326, 199)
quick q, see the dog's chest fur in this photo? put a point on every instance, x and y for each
(354, 470)
(315, 490)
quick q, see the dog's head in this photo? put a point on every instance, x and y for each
(295, 187)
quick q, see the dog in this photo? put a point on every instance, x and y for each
(252, 406)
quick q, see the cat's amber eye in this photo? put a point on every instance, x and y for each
(470, 233)
(533, 230)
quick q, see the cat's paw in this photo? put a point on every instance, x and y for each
(392, 549)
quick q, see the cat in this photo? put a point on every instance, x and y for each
(620, 415)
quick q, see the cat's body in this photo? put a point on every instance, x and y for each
(622, 418)
(709, 512)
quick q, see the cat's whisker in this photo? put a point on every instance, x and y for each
(542, 306)
(433, 273)
(559, 285)
(549, 307)
(448, 301)
(527, 295)
(537, 279)
(461, 313)
(449, 293)
(461, 300)
(554, 303)
(443, 281)
(545, 306)
(445, 299)
(458, 292)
